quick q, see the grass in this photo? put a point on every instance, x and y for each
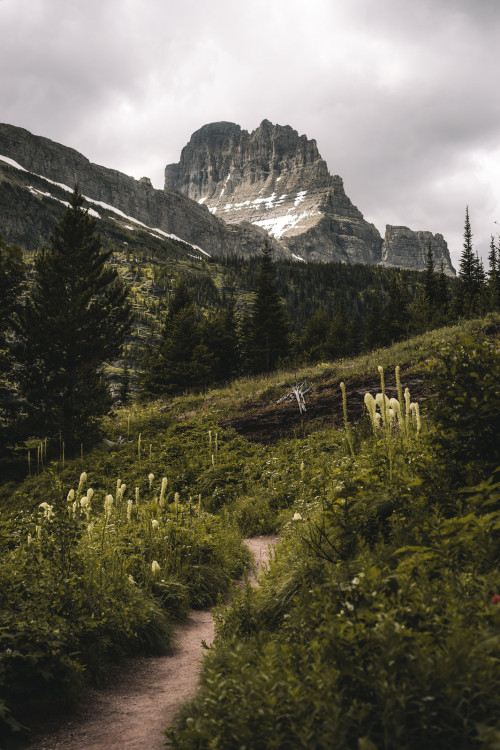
(81, 591)
(377, 625)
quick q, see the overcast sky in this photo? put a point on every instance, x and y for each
(402, 96)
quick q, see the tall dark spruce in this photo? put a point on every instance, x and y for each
(76, 317)
(430, 280)
(11, 279)
(269, 322)
(471, 275)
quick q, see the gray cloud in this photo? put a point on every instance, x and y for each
(397, 93)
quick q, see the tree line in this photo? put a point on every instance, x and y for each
(57, 333)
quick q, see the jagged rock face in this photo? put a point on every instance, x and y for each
(275, 179)
(404, 248)
(230, 191)
(169, 211)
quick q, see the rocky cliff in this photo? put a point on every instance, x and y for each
(230, 192)
(133, 203)
(277, 180)
(403, 247)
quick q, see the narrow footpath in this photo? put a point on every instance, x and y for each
(132, 713)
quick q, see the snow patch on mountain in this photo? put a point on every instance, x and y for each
(281, 224)
(103, 205)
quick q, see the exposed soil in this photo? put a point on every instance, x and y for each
(133, 712)
(268, 422)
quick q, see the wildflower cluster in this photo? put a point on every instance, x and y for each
(389, 414)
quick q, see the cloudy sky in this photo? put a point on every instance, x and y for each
(402, 96)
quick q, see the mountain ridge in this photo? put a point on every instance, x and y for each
(213, 211)
(276, 179)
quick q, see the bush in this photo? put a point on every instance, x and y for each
(467, 410)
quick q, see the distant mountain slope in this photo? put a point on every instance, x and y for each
(277, 180)
(131, 204)
(229, 193)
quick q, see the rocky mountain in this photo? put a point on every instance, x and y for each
(404, 248)
(36, 175)
(275, 179)
(230, 191)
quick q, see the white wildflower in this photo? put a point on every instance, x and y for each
(47, 510)
(108, 505)
(155, 568)
(151, 478)
(164, 483)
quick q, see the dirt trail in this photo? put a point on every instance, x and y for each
(132, 714)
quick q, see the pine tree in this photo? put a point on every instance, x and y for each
(467, 259)
(11, 278)
(430, 279)
(375, 336)
(313, 342)
(442, 293)
(75, 318)
(396, 315)
(494, 276)
(467, 291)
(341, 336)
(269, 326)
(168, 365)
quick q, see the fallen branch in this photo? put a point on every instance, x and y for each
(298, 392)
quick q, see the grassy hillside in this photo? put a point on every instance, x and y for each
(386, 572)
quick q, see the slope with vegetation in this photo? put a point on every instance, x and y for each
(377, 625)
(98, 566)
(389, 518)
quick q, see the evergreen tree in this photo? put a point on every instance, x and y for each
(341, 341)
(269, 326)
(219, 334)
(396, 316)
(168, 366)
(75, 318)
(442, 293)
(430, 279)
(313, 343)
(11, 278)
(469, 274)
(467, 259)
(494, 276)
(375, 336)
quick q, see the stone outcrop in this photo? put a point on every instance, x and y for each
(404, 248)
(167, 210)
(276, 179)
